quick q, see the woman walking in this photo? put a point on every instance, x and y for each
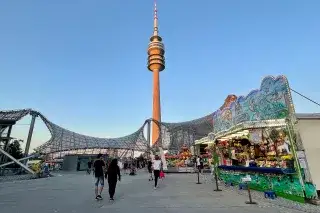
(113, 175)
(157, 164)
(150, 170)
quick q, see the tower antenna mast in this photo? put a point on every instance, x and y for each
(155, 19)
(156, 64)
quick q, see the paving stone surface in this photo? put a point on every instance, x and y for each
(73, 193)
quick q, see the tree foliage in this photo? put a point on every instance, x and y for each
(15, 150)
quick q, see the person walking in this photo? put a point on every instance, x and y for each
(198, 163)
(113, 175)
(201, 165)
(150, 169)
(125, 167)
(120, 164)
(89, 166)
(157, 164)
(99, 167)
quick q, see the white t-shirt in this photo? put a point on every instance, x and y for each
(198, 161)
(120, 165)
(156, 164)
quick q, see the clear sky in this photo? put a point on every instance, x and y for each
(83, 63)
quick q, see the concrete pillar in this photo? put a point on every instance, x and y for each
(156, 110)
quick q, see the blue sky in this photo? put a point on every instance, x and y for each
(83, 63)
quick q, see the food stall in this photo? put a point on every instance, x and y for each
(204, 152)
(269, 161)
(181, 162)
(254, 136)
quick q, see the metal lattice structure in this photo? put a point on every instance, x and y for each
(66, 140)
(173, 135)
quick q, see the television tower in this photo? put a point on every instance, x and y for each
(156, 64)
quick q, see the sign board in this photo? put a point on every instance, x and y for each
(300, 154)
(302, 163)
(255, 136)
(246, 179)
(186, 169)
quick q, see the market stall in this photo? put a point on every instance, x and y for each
(181, 162)
(253, 135)
(202, 148)
(268, 160)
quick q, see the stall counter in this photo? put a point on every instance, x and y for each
(284, 182)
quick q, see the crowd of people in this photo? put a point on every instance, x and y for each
(112, 172)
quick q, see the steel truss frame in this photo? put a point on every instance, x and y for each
(172, 135)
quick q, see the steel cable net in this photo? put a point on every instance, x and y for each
(173, 135)
(176, 135)
(66, 140)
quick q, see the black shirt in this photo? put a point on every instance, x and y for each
(98, 168)
(113, 173)
(89, 164)
(149, 165)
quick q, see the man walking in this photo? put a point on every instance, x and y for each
(99, 167)
(150, 169)
(89, 166)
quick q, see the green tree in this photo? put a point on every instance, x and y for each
(15, 150)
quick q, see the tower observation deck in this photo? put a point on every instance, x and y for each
(156, 64)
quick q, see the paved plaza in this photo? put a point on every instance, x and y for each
(73, 193)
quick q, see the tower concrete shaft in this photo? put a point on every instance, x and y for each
(156, 106)
(156, 64)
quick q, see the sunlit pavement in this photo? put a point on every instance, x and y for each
(74, 193)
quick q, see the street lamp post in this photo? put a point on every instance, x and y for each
(215, 169)
(197, 167)
(215, 162)
(198, 174)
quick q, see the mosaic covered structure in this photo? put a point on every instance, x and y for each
(271, 101)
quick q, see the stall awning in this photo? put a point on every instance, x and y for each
(250, 125)
(205, 140)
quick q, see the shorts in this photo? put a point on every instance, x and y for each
(99, 180)
(149, 170)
